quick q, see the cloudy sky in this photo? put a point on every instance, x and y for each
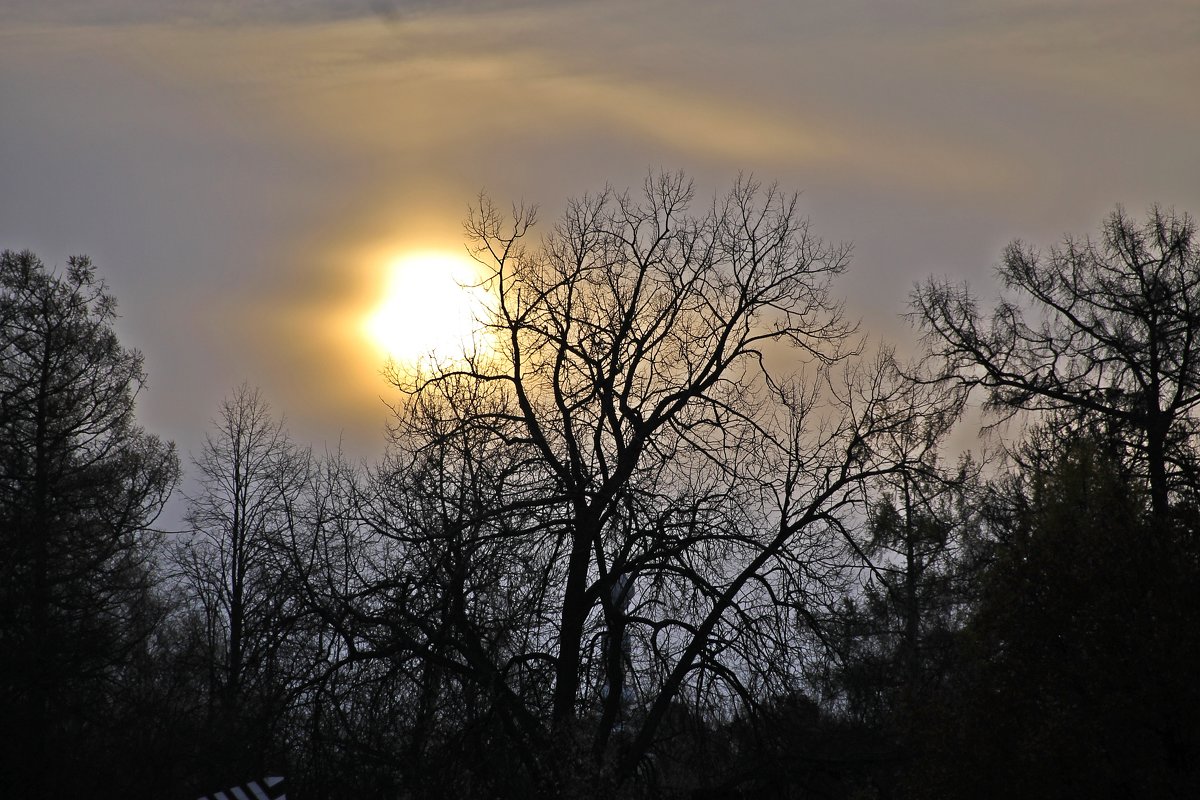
(244, 172)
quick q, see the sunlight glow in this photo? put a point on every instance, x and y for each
(430, 310)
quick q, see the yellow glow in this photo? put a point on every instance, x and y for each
(430, 311)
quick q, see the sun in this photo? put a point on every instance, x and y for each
(431, 309)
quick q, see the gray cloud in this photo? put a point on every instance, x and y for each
(234, 12)
(241, 184)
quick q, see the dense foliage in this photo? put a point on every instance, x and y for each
(79, 485)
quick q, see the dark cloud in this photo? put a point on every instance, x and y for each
(231, 12)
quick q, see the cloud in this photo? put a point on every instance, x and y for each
(233, 12)
(490, 80)
(258, 160)
(934, 95)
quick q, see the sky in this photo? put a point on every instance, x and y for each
(244, 173)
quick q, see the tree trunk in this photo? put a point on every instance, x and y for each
(574, 615)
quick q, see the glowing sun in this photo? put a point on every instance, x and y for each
(431, 308)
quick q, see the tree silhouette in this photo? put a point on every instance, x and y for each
(665, 531)
(80, 483)
(1110, 333)
(618, 503)
(897, 633)
(1077, 674)
(250, 477)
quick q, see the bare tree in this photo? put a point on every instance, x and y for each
(620, 463)
(1105, 329)
(250, 476)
